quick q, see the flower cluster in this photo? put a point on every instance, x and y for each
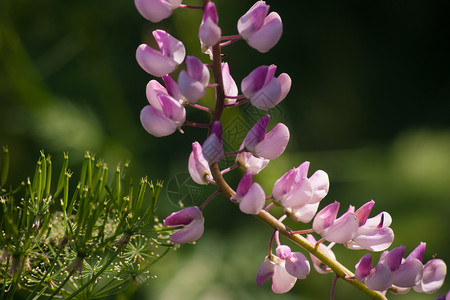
(297, 193)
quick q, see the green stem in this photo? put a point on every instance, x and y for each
(62, 284)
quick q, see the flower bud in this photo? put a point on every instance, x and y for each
(250, 195)
(159, 63)
(191, 218)
(156, 10)
(209, 32)
(192, 83)
(198, 166)
(261, 31)
(213, 145)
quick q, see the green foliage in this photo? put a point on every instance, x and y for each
(84, 242)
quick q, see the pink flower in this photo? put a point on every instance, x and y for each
(274, 267)
(159, 63)
(300, 195)
(192, 222)
(373, 233)
(192, 83)
(209, 32)
(156, 10)
(261, 31)
(284, 269)
(263, 89)
(198, 166)
(434, 272)
(337, 230)
(270, 145)
(250, 195)
(164, 114)
(393, 270)
(213, 145)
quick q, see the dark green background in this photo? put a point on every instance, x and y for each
(370, 105)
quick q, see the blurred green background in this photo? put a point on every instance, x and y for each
(370, 105)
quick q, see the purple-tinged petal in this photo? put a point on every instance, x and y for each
(257, 133)
(372, 239)
(262, 79)
(155, 122)
(268, 35)
(250, 163)
(267, 97)
(282, 281)
(408, 274)
(213, 145)
(253, 202)
(265, 271)
(244, 185)
(363, 268)
(300, 194)
(393, 258)
(380, 278)
(284, 185)
(153, 89)
(156, 10)
(325, 217)
(298, 265)
(384, 219)
(172, 88)
(321, 185)
(172, 109)
(304, 213)
(343, 229)
(170, 46)
(285, 82)
(191, 218)
(274, 143)
(209, 32)
(153, 62)
(229, 85)
(192, 89)
(283, 252)
(189, 233)
(363, 212)
(302, 170)
(418, 252)
(198, 166)
(434, 272)
(253, 19)
(192, 83)
(183, 217)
